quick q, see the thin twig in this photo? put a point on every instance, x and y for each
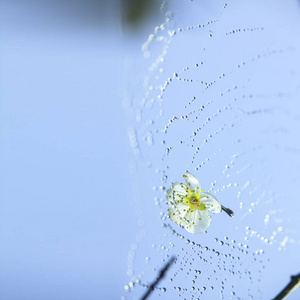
(294, 283)
(228, 211)
(161, 275)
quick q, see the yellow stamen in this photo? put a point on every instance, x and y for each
(193, 200)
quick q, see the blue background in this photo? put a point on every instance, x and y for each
(67, 213)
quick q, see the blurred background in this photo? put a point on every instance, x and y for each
(66, 216)
(64, 147)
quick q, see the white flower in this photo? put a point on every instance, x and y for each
(189, 205)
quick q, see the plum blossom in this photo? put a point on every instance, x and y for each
(189, 205)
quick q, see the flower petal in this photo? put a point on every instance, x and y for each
(174, 217)
(179, 188)
(177, 213)
(197, 221)
(192, 182)
(176, 192)
(211, 203)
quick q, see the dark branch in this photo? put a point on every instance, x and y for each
(161, 275)
(294, 283)
(228, 211)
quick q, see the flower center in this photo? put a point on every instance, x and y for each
(193, 200)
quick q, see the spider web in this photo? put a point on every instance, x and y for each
(219, 98)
